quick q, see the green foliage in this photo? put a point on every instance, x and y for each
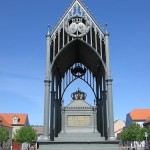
(141, 135)
(134, 133)
(148, 133)
(4, 134)
(124, 135)
(25, 134)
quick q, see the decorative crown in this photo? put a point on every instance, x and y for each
(78, 95)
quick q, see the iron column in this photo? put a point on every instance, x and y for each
(47, 90)
(109, 91)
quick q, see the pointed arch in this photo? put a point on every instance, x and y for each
(78, 51)
(82, 80)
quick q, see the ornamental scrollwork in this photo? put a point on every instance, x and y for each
(77, 26)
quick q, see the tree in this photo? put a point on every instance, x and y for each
(141, 135)
(133, 131)
(130, 133)
(124, 135)
(26, 134)
(4, 135)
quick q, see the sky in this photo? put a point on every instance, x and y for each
(23, 26)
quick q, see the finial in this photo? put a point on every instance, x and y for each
(106, 25)
(48, 33)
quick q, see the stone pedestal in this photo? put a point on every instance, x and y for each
(79, 128)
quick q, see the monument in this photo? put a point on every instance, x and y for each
(79, 122)
(78, 48)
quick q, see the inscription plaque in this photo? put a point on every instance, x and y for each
(78, 120)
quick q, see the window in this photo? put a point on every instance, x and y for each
(15, 120)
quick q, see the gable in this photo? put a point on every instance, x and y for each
(78, 104)
(77, 8)
(119, 125)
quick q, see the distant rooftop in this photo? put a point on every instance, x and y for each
(140, 114)
(22, 117)
(3, 122)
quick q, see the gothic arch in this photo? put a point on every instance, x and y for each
(78, 51)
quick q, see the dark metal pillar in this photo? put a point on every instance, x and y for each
(101, 108)
(105, 115)
(97, 105)
(59, 109)
(56, 111)
(52, 110)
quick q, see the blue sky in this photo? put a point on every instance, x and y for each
(23, 25)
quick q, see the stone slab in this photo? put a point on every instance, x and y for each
(105, 145)
(79, 137)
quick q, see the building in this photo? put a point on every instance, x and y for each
(15, 120)
(39, 131)
(4, 123)
(138, 115)
(146, 124)
(119, 124)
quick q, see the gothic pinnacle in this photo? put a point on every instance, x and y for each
(106, 25)
(48, 33)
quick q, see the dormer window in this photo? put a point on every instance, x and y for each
(15, 120)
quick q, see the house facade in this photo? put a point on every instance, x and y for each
(119, 124)
(139, 115)
(146, 124)
(39, 131)
(15, 121)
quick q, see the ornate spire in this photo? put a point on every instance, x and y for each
(48, 32)
(106, 25)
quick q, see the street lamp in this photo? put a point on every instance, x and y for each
(146, 135)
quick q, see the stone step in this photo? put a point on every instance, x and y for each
(79, 135)
(114, 145)
(76, 139)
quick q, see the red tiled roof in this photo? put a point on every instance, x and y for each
(9, 117)
(140, 114)
(4, 122)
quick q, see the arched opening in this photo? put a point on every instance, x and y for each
(81, 52)
(73, 87)
(78, 54)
